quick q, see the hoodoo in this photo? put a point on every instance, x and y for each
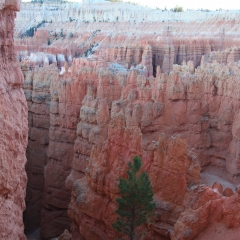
(13, 130)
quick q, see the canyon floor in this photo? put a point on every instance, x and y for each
(35, 235)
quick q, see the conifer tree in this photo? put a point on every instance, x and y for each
(136, 205)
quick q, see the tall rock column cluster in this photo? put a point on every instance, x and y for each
(88, 123)
(139, 116)
(67, 93)
(14, 130)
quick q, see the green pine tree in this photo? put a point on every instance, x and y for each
(136, 205)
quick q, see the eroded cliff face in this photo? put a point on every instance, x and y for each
(37, 91)
(98, 95)
(54, 104)
(125, 116)
(99, 119)
(66, 98)
(14, 130)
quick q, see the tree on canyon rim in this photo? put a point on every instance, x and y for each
(136, 205)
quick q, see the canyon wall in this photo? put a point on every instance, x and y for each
(14, 130)
(100, 93)
(138, 116)
(54, 104)
(100, 119)
(37, 91)
(66, 98)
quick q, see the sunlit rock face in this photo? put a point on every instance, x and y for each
(14, 130)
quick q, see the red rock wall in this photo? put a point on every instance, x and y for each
(197, 106)
(14, 130)
(127, 120)
(99, 120)
(66, 100)
(37, 92)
